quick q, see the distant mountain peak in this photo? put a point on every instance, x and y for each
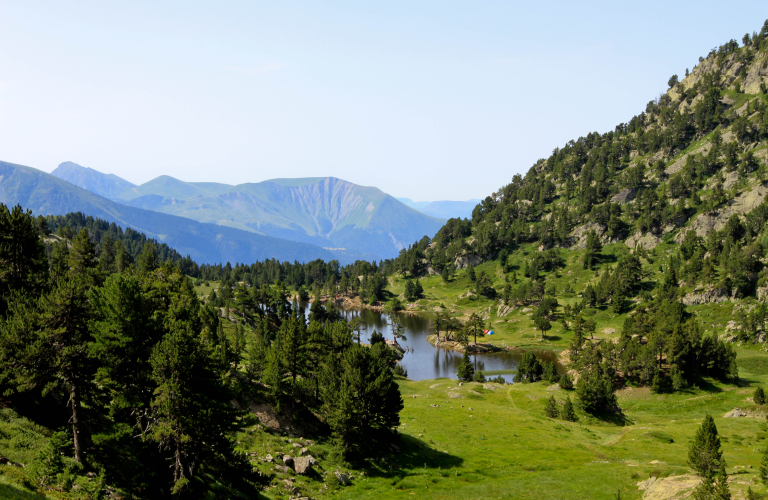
(106, 185)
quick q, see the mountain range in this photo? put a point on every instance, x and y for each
(351, 221)
(46, 194)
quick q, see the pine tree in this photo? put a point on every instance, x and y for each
(107, 256)
(362, 401)
(23, 263)
(763, 471)
(568, 412)
(466, 372)
(147, 260)
(82, 255)
(191, 411)
(552, 410)
(123, 259)
(565, 381)
(65, 328)
(705, 455)
(759, 396)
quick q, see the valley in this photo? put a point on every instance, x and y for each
(147, 353)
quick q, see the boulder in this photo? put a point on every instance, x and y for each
(735, 413)
(287, 460)
(343, 478)
(303, 465)
(624, 196)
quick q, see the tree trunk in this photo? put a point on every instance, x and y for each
(74, 400)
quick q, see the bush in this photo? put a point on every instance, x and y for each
(400, 371)
(479, 377)
(566, 382)
(498, 380)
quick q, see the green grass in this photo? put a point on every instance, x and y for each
(504, 447)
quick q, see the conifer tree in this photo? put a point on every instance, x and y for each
(705, 455)
(568, 412)
(123, 259)
(759, 396)
(23, 263)
(552, 410)
(763, 471)
(65, 317)
(565, 381)
(82, 255)
(466, 372)
(147, 260)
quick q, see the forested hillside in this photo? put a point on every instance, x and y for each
(651, 235)
(118, 381)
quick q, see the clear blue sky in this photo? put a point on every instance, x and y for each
(428, 100)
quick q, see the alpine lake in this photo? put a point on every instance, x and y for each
(424, 361)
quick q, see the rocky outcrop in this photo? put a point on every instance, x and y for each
(757, 73)
(504, 310)
(466, 260)
(717, 219)
(646, 241)
(738, 413)
(708, 295)
(578, 237)
(625, 196)
(678, 165)
(669, 487)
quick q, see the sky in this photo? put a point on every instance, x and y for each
(430, 100)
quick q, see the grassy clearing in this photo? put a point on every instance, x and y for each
(504, 446)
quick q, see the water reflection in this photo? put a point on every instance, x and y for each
(422, 360)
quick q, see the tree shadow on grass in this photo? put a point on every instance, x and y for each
(414, 453)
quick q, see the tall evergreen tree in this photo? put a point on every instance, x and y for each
(23, 262)
(705, 455)
(465, 370)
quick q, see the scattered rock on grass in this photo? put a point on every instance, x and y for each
(303, 465)
(343, 478)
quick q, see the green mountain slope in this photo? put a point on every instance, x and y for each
(106, 185)
(658, 223)
(48, 195)
(329, 212)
